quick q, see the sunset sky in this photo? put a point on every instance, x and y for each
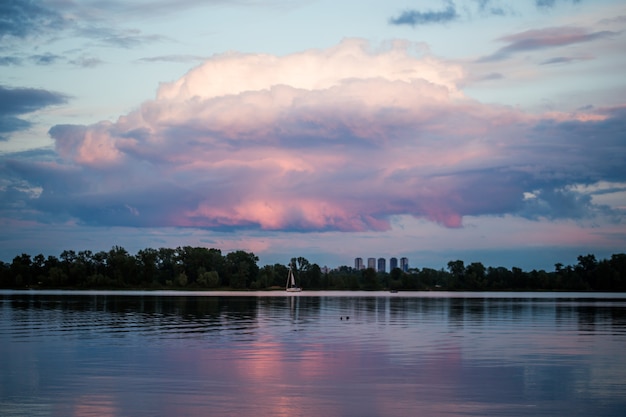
(480, 130)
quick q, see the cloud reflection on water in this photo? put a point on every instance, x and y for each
(288, 356)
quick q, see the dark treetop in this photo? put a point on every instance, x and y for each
(203, 268)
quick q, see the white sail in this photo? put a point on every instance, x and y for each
(291, 283)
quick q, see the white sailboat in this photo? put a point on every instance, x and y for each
(291, 283)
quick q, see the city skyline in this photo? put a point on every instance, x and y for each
(379, 264)
(490, 131)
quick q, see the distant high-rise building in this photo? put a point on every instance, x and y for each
(393, 264)
(404, 264)
(358, 263)
(371, 263)
(382, 265)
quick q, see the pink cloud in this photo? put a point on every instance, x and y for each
(338, 139)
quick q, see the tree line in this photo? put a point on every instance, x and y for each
(207, 268)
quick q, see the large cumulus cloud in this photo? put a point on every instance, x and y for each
(337, 139)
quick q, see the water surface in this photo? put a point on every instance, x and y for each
(309, 354)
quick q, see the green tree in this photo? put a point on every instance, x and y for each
(314, 276)
(21, 270)
(68, 261)
(475, 275)
(181, 280)
(167, 266)
(586, 270)
(122, 268)
(147, 263)
(369, 279)
(395, 278)
(518, 279)
(194, 258)
(5, 279)
(57, 277)
(279, 273)
(300, 267)
(457, 272)
(618, 264)
(242, 268)
(210, 279)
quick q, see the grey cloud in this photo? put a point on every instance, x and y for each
(559, 203)
(485, 77)
(112, 36)
(417, 18)
(10, 124)
(488, 6)
(46, 59)
(159, 7)
(15, 101)
(68, 193)
(23, 19)
(86, 62)
(614, 20)
(173, 58)
(548, 4)
(569, 153)
(29, 181)
(545, 3)
(493, 76)
(19, 101)
(28, 17)
(130, 40)
(543, 39)
(561, 60)
(37, 154)
(10, 60)
(600, 142)
(557, 60)
(586, 151)
(450, 12)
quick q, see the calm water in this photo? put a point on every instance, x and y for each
(416, 354)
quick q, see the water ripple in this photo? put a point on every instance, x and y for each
(152, 355)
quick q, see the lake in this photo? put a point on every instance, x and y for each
(312, 354)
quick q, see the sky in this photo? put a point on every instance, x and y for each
(488, 131)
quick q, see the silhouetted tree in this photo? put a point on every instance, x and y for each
(369, 279)
(457, 271)
(242, 268)
(192, 267)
